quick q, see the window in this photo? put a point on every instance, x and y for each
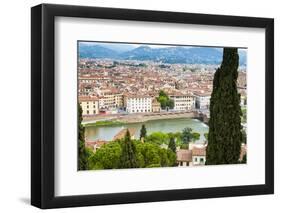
(201, 160)
(195, 159)
(87, 112)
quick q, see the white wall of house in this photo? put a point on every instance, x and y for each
(198, 160)
(138, 104)
(202, 102)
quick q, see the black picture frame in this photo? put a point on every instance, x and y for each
(43, 102)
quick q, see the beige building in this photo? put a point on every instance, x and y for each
(183, 102)
(156, 106)
(90, 105)
(109, 99)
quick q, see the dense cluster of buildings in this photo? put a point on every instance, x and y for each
(108, 87)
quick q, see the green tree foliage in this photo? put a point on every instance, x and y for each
(180, 138)
(107, 157)
(195, 136)
(83, 153)
(165, 101)
(158, 138)
(244, 115)
(128, 155)
(142, 132)
(187, 135)
(244, 137)
(184, 146)
(225, 137)
(152, 155)
(147, 155)
(206, 135)
(172, 145)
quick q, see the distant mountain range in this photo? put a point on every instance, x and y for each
(171, 55)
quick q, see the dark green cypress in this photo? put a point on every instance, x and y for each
(82, 153)
(225, 136)
(172, 145)
(128, 155)
(142, 132)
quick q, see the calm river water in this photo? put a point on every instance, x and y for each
(170, 125)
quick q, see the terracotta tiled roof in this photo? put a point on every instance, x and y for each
(87, 98)
(184, 155)
(199, 151)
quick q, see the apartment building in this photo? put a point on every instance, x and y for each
(90, 105)
(138, 103)
(202, 100)
(183, 102)
(110, 99)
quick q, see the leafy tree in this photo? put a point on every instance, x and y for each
(225, 136)
(244, 115)
(187, 135)
(195, 136)
(171, 104)
(172, 145)
(147, 155)
(150, 155)
(128, 155)
(107, 157)
(177, 136)
(184, 146)
(142, 132)
(162, 94)
(83, 153)
(165, 101)
(206, 136)
(157, 138)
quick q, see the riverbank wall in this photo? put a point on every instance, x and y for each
(140, 118)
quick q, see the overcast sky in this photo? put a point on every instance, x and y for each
(133, 45)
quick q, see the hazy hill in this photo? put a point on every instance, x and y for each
(194, 55)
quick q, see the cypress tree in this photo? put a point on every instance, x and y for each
(128, 155)
(225, 136)
(172, 145)
(142, 132)
(186, 135)
(82, 153)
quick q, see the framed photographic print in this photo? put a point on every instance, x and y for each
(139, 106)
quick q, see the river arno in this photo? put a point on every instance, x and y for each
(170, 125)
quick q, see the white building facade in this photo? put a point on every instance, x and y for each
(202, 100)
(138, 104)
